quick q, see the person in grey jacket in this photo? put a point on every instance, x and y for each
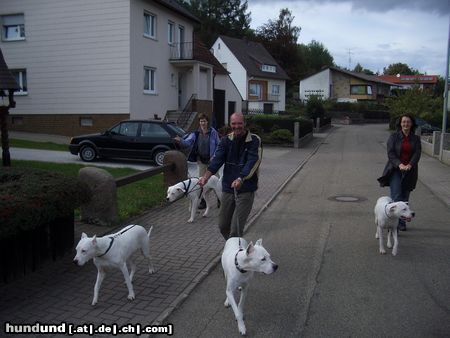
(401, 170)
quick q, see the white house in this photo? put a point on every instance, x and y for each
(256, 74)
(344, 86)
(84, 65)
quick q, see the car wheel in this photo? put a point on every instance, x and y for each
(158, 157)
(88, 153)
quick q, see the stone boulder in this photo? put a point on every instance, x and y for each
(102, 209)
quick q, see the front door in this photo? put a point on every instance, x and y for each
(218, 118)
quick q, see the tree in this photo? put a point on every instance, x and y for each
(317, 56)
(360, 69)
(418, 103)
(280, 39)
(220, 17)
(399, 68)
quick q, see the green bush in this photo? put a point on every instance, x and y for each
(32, 197)
(315, 107)
(281, 136)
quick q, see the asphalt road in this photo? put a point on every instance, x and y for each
(331, 281)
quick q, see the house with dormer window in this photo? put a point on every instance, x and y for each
(259, 78)
(108, 60)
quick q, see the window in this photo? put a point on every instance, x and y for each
(153, 130)
(125, 129)
(149, 80)
(86, 122)
(149, 25)
(361, 90)
(269, 69)
(13, 27)
(171, 32)
(255, 90)
(275, 89)
(21, 78)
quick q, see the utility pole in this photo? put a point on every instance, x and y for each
(445, 112)
(350, 59)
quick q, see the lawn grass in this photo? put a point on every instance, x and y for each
(133, 199)
(38, 145)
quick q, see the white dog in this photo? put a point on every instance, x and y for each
(239, 262)
(387, 214)
(194, 192)
(114, 250)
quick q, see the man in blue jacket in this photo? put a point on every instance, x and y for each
(241, 153)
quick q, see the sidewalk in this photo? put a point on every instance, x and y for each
(183, 255)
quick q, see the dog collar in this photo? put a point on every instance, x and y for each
(109, 247)
(386, 211)
(237, 264)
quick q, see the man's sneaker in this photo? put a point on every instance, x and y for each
(202, 204)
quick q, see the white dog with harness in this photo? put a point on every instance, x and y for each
(115, 251)
(189, 188)
(387, 213)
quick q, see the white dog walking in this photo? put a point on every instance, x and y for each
(115, 251)
(387, 213)
(190, 189)
(239, 261)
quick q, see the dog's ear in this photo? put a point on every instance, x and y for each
(94, 240)
(83, 235)
(407, 203)
(182, 190)
(250, 248)
(259, 242)
(392, 208)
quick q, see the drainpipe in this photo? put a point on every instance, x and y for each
(445, 112)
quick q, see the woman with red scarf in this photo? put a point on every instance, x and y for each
(401, 171)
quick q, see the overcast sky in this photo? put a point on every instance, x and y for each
(375, 33)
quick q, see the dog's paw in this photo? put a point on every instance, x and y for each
(151, 270)
(394, 252)
(242, 328)
(131, 296)
(382, 251)
(205, 214)
(190, 220)
(94, 302)
(226, 303)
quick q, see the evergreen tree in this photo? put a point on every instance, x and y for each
(220, 17)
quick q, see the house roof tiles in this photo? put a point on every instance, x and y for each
(252, 55)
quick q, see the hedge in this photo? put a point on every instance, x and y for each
(30, 198)
(269, 123)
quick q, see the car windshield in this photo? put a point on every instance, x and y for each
(179, 131)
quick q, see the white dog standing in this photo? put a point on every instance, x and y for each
(239, 262)
(194, 192)
(387, 214)
(115, 251)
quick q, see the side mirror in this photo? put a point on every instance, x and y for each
(107, 133)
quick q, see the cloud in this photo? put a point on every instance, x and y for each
(441, 7)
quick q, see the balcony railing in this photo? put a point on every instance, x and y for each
(265, 98)
(181, 51)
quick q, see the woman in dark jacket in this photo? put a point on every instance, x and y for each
(401, 171)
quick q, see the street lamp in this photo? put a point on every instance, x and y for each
(7, 87)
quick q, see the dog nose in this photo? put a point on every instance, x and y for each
(275, 267)
(413, 214)
(75, 262)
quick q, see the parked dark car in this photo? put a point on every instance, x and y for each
(425, 126)
(133, 139)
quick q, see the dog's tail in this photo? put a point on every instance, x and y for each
(149, 231)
